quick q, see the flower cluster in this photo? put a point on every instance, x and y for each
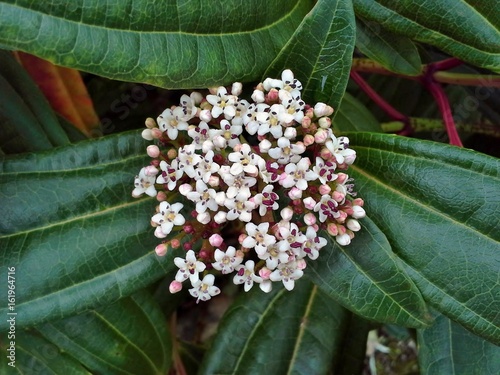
(254, 181)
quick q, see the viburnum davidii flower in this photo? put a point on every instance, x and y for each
(248, 186)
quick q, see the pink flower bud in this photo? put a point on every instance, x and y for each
(358, 202)
(273, 96)
(338, 196)
(325, 189)
(161, 196)
(342, 177)
(309, 219)
(175, 287)
(342, 217)
(153, 151)
(150, 171)
(316, 227)
(341, 229)
(309, 112)
(161, 249)
(159, 233)
(343, 239)
(306, 122)
(286, 213)
(265, 272)
(175, 243)
(241, 238)
(321, 109)
(295, 193)
(321, 136)
(332, 229)
(308, 139)
(156, 133)
(206, 115)
(215, 240)
(237, 148)
(301, 264)
(309, 203)
(353, 225)
(326, 154)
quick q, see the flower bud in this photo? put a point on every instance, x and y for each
(236, 88)
(286, 213)
(343, 239)
(150, 123)
(341, 178)
(184, 189)
(325, 189)
(301, 264)
(353, 225)
(309, 203)
(161, 249)
(321, 109)
(306, 122)
(150, 171)
(258, 96)
(206, 115)
(273, 96)
(203, 217)
(321, 136)
(175, 287)
(220, 217)
(265, 146)
(175, 243)
(325, 122)
(153, 151)
(290, 133)
(265, 272)
(358, 212)
(332, 229)
(147, 134)
(159, 233)
(215, 240)
(325, 154)
(338, 196)
(309, 219)
(156, 133)
(308, 139)
(161, 196)
(295, 193)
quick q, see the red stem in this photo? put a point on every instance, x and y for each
(381, 102)
(444, 107)
(447, 64)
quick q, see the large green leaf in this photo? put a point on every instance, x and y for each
(395, 52)
(354, 116)
(366, 278)
(165, 43)
(129, 336)
(282, 332)
(72, 230)
(438, 206)
(452, 25)
(35, 355)
(320, 52)
(447, 348)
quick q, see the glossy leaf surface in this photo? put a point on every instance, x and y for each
(166, 43)
(436, 204)
(281, 332)
(129, 336)
(367, 278)
(354, 116)
(72, 230)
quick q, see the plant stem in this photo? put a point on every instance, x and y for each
(420, 124)
(446, 64)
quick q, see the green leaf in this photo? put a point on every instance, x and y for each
(168, 44)
(366, 278)
(129, 336)
(451, 25)
(33, 98)
(437, 206)
(447, 348)
(72, 230)
(320, 52)
(281, 332)
(36, 355)
(395, 52)
(354, 116)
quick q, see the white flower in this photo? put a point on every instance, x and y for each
(237, 184)
(245, 275)
(313, 243)
(327, 208)
(287, 273)
(239, 208)
(290, 83)
(267, 200)
(325, 170)
(188, 159)
(188, 268)
(172, 121)
(293, 104)
(170, 174)
(227, 261)
(258, 237)
(206, 167)
(339, 147)
(203, 197)
(273, 121)
(228, 135)
(250, 118)
(168, 216)
(273, 256)
(293, 238)
(204, 289)
(223, 103)
(298, 174)
(144, 183)
(285, 152)
(199, 134)
(244, 160)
